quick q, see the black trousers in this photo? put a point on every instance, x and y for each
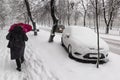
(18, 61)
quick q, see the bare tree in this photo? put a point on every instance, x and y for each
(76, 17)
(116, 7)
(68, 15)
(85, 11)
(62, 11)
(30, 16)
(96, 9)
(55, 20)
(97, 22)
(108, 17)
(77, 13)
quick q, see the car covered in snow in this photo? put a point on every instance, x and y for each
(81, 43)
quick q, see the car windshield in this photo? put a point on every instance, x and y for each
(83, 32)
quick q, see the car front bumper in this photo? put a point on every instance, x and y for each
(91, 55)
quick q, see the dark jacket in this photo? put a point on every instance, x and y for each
(16, 52)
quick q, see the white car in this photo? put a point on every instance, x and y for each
(81, 43)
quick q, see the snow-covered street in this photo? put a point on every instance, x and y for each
(50, 61)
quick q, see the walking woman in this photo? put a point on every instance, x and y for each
(17, 38)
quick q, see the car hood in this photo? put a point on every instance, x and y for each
(90, 42)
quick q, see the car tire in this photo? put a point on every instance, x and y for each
(70, 51)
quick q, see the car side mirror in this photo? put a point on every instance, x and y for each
(67, 35)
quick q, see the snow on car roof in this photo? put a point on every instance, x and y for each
(78, 30)
(85, 35)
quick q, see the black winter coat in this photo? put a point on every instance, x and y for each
(16, 52)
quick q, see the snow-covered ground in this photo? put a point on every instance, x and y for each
(113, 34)
(50, 61)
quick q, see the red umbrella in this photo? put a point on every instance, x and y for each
(26, 27)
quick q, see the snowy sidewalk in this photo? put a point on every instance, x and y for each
(32, 69)
(50, 61)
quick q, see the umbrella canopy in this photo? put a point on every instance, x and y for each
(26, 27)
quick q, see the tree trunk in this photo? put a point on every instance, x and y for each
(111, 24)
(110, 16)
(55, 21)
(68, 20)
(30, 16)
(85, 12)
(85, 18)
(94, 23)
(68, 15)
(97, 25)
(107, 29)
(75, 22)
